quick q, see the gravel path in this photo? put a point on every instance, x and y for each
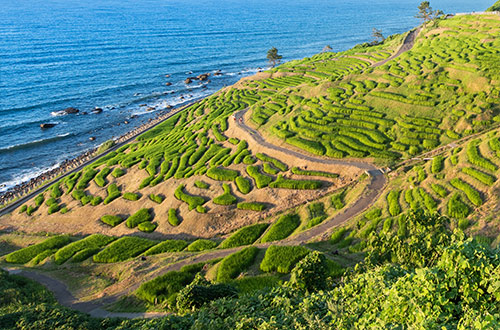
(406, 46)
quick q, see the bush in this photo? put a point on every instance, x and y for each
(393, 201)
(338, 200)
(295, 184)
(77, 194)
(55, 191)
(146, 182)
(487, 179)
(96, 200)
(53, 208)
(23, 208)
(226, 198)
(457, 208)
(439, 190)
(113, 193)
(100, 178)
(94, 241)
(39, 200)
(222, 174)
(24, 255)
(277, 163)
(463, 223)
(86, 177)
(147, 227)
(252, 206)
(201, 184)
(244, 236)
(475, 157)
(138, 217)
(337, 235)
(170, 245)
(131, 196)
(232, 265)
(172, 217)
(269, 169)
(281, 259)
(471, 193)
(298, 171)
(111, 220)
(156, 198)
(201, 245)
(201, 209)
(437, 164)
(310, 273)
(282, 228)
(244, 185)
(117, 172)
(84, 254)
(158, 290)
(307, 145)
(192, 201)
(122, 249)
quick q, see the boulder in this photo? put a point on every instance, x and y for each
(168, 84)
(218, 73)
(47, 125)
(71, 110)
(125, 122)
(188, 81)
(97, 110)
(167, 76)
(92, 138)
(203, 76)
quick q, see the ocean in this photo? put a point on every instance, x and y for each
(115, 55)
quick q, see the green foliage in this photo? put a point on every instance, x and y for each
(282, 228)
(201, 184)
(156, 198)
(84, 254)
(232, 265)
(252, 206)
(393, 201)
(39, 200)
(105, 146)
(261, 180)
(439, 190)
(138, 217)
(244, 185)
(338, 235)
(437, 164)
(201, 245)
(131, 196)
(480, 176)
(112, 220)
(277, 163)
(310, 273)
(298, 171)
(113, 193)
(173, 219)
(281, 259)
(94, 241)
(192, 201)
(24, 255)
(244, 236)
(226, 198)
(147, 227)
(159, 290)
(338, 200)
(86, 177)
(55, 191)
(122, 249)
(457, 208)
(295, 184)
(222, 174)
(475, 158)
(471, 193)
(100, 178)
(23, 208)
(495, 6)
(170, 245)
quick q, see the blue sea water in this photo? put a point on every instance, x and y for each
(114, 54)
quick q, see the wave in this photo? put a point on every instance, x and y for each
(26, 176)
(35, 143)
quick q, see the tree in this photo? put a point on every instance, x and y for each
(377, 34)
(310, 273)
(273, 57)
(327, 48)
(426, 13)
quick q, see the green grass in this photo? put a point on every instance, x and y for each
(24, 255)
(244, 236)
(261, 180)
(112, 220)
(170, 245)
(173, 219)
(393, 202)
(298, 171)
(94, 241)
(156, 198)
(277, 163)
(138, 217)
(471, 193)
(201, 184)
(457, 208)
(295, 184)
(113, 193)
(234, 264)
(252, 206)
(226, 198)
(337, 235)
(147, 227)
(281, 259)
(201, 245)
(282, 228)
(122, 249)
(484, 178)
(84, 254)
(118, 172)
(243, 184)
(131, 196)
(192, 201)
(222, 174)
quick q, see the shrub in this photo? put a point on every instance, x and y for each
(111, 220)
(42, 256)
(337, 235)
(201, 184)
(147, 227)
(298, 171)
(471, 193)
(170, 245)
(226, 198)
(437, 164)
(310, 273)
(192, 201)
(244, 236)
(308, 145)
(117, 172)
(84, 254)
(277, 163)
(222, 174)
(480, 176)
(172, 217)
(393, 201)
(146, 182)
(244, 185)
(269, 169)
(156, 198)
(131, 196)
(53, 208)
(201, 209)
(122, 249)
(93, 241)
(77, 194)
(56, 191)
(282, 228)
(86, 177)
(23, 208)
(252, 206)
(159, 290)
(457, 208)
(138, 217)
(232, 265)
(113, 193)
(463, 223)
(439, 190)
(100, 178)
(281, 259)
(39, 200)
(96, 200)
(295, 184)
(201, 245)
(475, 157)
(24, 255)
(338, 200)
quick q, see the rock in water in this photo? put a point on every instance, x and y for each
(47, 125)
(92, 138)
(188, 81)
(97, 110)
(71, 110)
(168, 84)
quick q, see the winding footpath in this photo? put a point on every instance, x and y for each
(371, 193)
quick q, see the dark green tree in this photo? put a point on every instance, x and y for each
(310, 273)
(273, 57)
(377, 35)
(426, 14)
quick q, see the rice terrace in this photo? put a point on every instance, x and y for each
(348, 189)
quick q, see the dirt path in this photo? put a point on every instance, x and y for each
(406, 46)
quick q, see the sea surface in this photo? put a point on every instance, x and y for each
(115, 54)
